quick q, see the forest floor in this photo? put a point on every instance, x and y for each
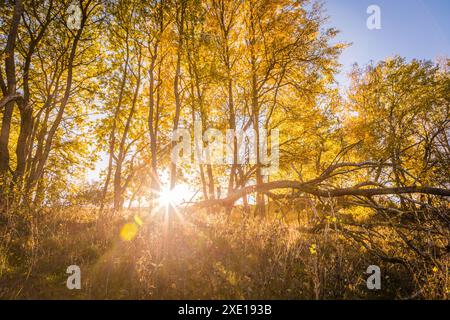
(202, 256)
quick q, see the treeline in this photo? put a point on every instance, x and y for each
(119, 77)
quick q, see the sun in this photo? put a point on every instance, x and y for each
(167, 197)
(176, 196)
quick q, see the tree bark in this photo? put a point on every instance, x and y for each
(11, 83)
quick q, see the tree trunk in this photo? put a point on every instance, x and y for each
(11, 83)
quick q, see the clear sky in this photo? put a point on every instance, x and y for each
(411, 28)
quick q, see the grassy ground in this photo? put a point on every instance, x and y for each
(202, 256)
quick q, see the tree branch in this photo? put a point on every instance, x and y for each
(306, 187)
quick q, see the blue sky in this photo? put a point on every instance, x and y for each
(411, 28)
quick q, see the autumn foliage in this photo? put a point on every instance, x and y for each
(87, 119)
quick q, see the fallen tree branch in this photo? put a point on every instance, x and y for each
(307, 187)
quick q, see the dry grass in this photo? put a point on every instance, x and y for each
(205, 256)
